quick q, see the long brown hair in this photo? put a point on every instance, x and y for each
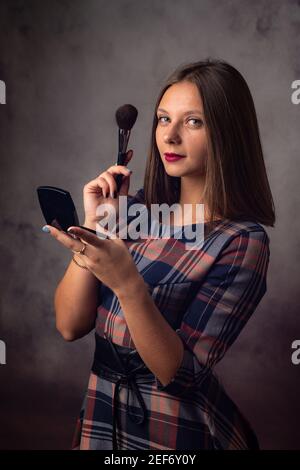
(236, 184)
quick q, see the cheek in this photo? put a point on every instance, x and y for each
(199, 145)
(198, 152)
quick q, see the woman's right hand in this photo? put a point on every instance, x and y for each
(101, 190)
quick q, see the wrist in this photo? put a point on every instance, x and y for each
(132, 287)
(80, 264)
(88, 223)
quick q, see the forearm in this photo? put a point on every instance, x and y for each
(76, 301)
(156, 342)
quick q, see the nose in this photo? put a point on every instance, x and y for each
(171, 135)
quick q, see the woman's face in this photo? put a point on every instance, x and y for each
(181, 130)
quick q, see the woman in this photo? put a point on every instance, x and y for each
(166, 315)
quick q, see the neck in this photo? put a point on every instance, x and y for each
(191, 192)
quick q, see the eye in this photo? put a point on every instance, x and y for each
(199, 122)
(161, 117)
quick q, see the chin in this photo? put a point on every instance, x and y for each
(174, 172)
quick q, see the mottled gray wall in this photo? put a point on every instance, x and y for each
(68, 65)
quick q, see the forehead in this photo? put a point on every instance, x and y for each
(181, 96)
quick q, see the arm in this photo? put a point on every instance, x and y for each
(223, 304)
(156, 342)
(76, 300)
(77, 295)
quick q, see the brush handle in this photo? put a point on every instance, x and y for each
(119, 177)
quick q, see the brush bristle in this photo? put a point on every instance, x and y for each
(126, 116)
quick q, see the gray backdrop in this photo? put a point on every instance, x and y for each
(67, 66)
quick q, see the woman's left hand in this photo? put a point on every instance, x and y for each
(108, 259)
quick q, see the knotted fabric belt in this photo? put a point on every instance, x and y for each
(121, 365)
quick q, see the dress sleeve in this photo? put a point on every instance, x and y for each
(222, 306)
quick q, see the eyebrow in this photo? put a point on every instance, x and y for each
(191, 111)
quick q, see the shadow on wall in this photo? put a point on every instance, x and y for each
(38, 416)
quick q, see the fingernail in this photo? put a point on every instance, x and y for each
(46, 229)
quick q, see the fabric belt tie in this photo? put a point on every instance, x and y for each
(108, 363)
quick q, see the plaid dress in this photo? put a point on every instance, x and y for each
(207, 295)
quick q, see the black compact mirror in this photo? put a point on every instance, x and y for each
(58, 207)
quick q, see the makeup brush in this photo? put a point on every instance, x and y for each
(125, 116)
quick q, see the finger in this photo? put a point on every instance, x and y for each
(57, 233)
(64, 238)
(111, 182)
(129, 154)
(98, 185)
(118, 169)
(88, 237)
(103, 185)
(124, 189)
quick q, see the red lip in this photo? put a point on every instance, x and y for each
(172, 157)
